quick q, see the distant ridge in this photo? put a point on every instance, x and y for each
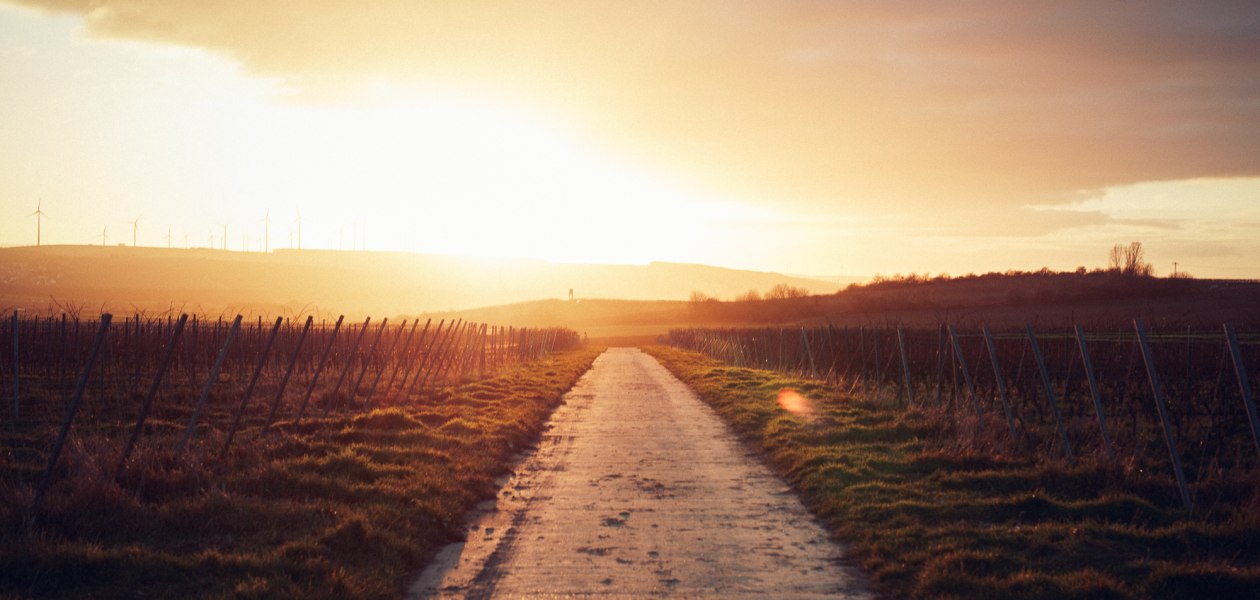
(94, 278)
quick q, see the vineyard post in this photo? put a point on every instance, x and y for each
(70, 412)
(1050, 397)
(971, 385)
(288, 372)
(439, 356)
(205, 391)
(1244, 383)
(17, 368)
(809, 353)
(421, 354)
(403, 361)
(1001, 383)
(1157, 391)
(940, 362)
(429, 354)
(249, 390)
(153, 390)
(389, 358)
(319, 369)
(1093, 391)
(371, 355)
(862, 353)
(354, 348)
(905, 365)
(61, 357)
(879, 364)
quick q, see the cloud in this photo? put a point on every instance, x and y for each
(840, 103)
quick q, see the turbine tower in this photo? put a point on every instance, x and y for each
(168, 238)
(267, 232)
(104, 236)
(39, 225)
(134, 226)
(224, 236)
(299, 224)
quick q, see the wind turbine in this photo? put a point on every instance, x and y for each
(210, 239)
(299, 225)
(225, 236)
(104, 236)
(168, 238)
(267, 232)
(39, 225)
(134, 226)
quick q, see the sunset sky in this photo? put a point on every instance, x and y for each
(826, 138)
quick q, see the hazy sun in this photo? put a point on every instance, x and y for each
(452, 176)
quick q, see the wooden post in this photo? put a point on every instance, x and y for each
(809, 353)
(75, 402)
(1244, 383)
(17, 369)
(1050, 397)
(323, 359)
(389, 358)
(249, 390)
(354, 348)
(971, 384)
(1158, 392)
(205, 391)
(1093, 391)
(153, 390)
(1001, 383)
(403, 355)
(905, 366)
(371, 355)
(421, 355)
(284, 381)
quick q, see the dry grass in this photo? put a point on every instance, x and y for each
(351, 506)
(935, 509)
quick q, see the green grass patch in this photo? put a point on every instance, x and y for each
(928, 517)
(349, 506)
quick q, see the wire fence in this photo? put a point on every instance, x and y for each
(1180, 400)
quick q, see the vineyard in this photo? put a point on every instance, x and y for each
(1175, 402)
(180, 391)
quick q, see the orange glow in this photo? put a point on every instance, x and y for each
(793, 402)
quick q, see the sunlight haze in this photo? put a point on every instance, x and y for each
(841, 138)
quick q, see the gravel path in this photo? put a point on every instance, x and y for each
(638, 489)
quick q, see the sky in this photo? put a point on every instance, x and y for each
(838, 137)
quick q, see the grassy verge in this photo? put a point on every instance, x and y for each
(931, 511)
(350, 506)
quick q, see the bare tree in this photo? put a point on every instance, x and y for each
(1130, 260)
(783, 290)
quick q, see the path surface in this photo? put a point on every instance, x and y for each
(638, 489)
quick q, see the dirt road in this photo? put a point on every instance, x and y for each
(638, 489)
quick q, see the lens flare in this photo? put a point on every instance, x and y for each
(793, 402)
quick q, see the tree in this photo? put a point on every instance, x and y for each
(698, 297)
(783, 290)
(1130, 260)
(749, 296)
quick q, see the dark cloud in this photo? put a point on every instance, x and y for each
(856, 102)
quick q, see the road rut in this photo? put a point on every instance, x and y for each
(639, 489)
